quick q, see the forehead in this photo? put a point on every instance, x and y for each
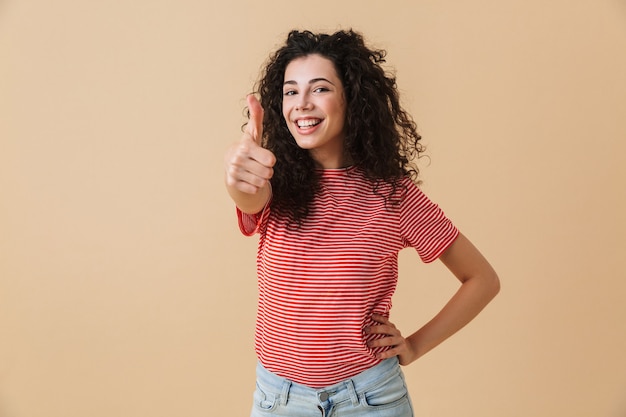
(310, 67)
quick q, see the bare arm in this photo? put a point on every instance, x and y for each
(479, 285)
(248, 166)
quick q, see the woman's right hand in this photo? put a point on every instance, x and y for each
(249, 166)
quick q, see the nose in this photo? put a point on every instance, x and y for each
(303, 102)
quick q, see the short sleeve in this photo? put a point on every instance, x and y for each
(424, 226)
(250, 224)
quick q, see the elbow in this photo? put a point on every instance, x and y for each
(494, 284)
(487, 282)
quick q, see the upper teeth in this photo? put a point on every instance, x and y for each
(307, 122)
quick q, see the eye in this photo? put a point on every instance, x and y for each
(320, 90)
(289, 92)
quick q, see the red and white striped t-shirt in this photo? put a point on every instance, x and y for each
(319, 284)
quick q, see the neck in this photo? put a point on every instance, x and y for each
(331, 161)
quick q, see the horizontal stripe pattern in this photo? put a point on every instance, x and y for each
(320, 284)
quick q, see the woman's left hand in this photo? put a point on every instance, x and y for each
(400, 346)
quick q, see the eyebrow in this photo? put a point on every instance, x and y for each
(314, 80)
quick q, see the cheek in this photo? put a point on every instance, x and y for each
(285, 115)
(338, 108)
(289, 125)
(340, 116)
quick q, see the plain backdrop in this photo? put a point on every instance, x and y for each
(126, 288)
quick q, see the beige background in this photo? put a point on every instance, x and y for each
(126, 288)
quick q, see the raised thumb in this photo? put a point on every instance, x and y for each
(255, 125)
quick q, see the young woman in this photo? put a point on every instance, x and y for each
(325, 174)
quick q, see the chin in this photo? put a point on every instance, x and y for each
(303, 144)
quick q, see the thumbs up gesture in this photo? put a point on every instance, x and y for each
(248, 165)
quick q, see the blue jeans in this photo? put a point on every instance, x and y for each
(379, 391)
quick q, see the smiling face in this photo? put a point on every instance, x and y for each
(314, 108)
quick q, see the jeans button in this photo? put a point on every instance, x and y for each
(323, 396)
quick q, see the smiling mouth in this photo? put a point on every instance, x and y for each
(307, 123)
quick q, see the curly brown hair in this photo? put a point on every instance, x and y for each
(381, 137)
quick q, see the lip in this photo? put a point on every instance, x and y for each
(307, 129)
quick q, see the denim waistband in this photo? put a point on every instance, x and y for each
(348, 389)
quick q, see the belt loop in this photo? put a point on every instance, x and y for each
(284, 395)
(354, 396)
